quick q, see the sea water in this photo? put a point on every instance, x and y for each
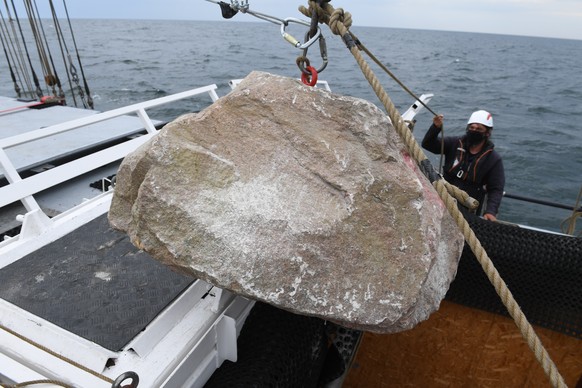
(532, 86)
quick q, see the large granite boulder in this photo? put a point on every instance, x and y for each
(296, 197)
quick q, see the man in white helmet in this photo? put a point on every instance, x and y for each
(471, 162)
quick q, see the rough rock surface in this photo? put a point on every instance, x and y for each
(297, 197)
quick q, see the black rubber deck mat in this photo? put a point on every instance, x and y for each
(542, 270)
(94, 283)
(275, 349)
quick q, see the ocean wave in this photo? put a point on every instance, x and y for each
(570, 93)
(541, 110)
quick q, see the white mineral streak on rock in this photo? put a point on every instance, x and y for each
(105, 276)
(296, 197)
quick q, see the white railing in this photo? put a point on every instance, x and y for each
(6, 197)
(35, 222)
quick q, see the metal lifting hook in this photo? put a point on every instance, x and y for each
(303, 62)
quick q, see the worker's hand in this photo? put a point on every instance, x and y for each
(438, 121)
(489, 217)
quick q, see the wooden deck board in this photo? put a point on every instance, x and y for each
(461, 347)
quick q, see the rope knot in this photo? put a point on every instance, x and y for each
(321, 12)
(340, 21)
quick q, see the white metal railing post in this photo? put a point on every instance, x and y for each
(213, 95)
(13, 176)
(146, 121)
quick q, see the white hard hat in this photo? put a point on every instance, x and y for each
(481, 117)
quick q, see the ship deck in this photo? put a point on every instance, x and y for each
(94, 283)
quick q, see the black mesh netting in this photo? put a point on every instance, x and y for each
(542, 270)
(275, 349)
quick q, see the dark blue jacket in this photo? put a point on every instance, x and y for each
(477, 174)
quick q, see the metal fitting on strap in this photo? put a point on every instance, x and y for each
(429, 171)
(289, 38)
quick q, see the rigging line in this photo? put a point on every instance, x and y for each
(34, 22)
(17, 108)
(16, 87)
(72, 75)
(9, 62)
(37, 382)
(35, 78)
(35, 34)
(89, 98)
(501, 287)
(56, 79)
(63, 43)
(16, 51)
(442, 157)
(336, 23)
(361, 46)
(55, 354)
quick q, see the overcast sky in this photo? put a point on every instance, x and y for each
(547, 18)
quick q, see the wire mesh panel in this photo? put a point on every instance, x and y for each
(542, 270)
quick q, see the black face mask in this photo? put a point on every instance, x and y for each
(475, 137)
